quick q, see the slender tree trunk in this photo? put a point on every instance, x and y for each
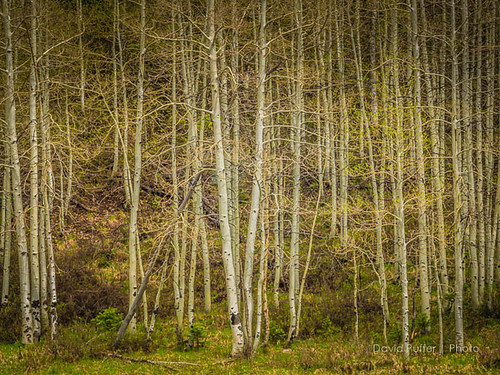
(260, 283)
(421, 193)
(144, 300)
(235, 176)
(489, 160)
(34, 257)
(51, 262)
(11, 133)
(437, 183)
(192, 266)
(399, 199)
(457, 195)
(133, 235)
(378, 195)
(207, 293)
(127, 179)
(296, 142)
(333, 159)
(344, 142)
(477, 250)
(308, 260)
(258, 181)
(156, 308)
(227, 254)
(80, 48)
(7, 229)
(495, 205)
(178, 297)
(44, 292)
(117, 136)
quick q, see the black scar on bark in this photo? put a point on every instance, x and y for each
(35, 304)
(235, 318)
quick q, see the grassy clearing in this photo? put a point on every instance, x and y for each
(83, 349)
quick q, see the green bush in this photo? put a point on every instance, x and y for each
(197, 334)
(109, 319)
(422, 323)
(328, 328)
(276, 333)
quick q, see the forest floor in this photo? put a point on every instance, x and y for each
(83, 349)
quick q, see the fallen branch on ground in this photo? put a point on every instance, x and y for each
(152, 362)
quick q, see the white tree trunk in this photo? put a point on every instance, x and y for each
(227, 255)
(421, 193)
(133, 234)
(11, 133)
(6, 230)
(257, 184)
(457, 195)
(34, 257)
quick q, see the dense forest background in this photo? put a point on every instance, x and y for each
(279, 171)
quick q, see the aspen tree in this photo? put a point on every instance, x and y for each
(495, 205)
(193, 149)
(127, 179)
(276, 186)
(457, 194)
(399, 199)
(79, 17)
(261, 291)
(489, 160)
(117, 135)
(333, 159)
(421, 194)
(257, 184)
(308, 259)
(133, 236)
(468, 204)
(227, 254)
(6, 229)
(439, 291)
(437, 182)
(11, 133)
(207, 293)
(47, 260)
(378, 193)
(178, 294)
(156, 307)
(296, 142)
(235, 176)
(478, 249)
(44, 277)
(50, 259)
(33, 242)
(69, 186)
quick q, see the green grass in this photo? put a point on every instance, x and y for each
(74, 354)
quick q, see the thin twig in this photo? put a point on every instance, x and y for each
(143, 360)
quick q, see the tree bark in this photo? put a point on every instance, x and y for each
(227, 254)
